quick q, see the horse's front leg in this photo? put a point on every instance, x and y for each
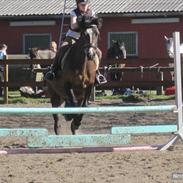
(87, 96)
(70, 94)
(56, 102)
(76, 122)
(56, 127)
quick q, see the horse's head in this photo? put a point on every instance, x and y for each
(89, 36)
(169, 46)
(33, 52)
(117, 50)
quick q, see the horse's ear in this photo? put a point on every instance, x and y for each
(100, 22)
(114, 41)
(166, 38)
(97, 21)
(122, 43)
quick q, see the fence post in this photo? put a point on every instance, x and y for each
(160, 88)
(92, 97)
(5, 83)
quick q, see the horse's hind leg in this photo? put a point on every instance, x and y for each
(76, 122)
(56, 102)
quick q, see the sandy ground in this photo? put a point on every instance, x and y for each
(123, 167)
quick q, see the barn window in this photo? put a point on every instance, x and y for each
(129, 38)
(36, 40)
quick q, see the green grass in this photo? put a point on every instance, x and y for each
(15, 97)
(149, 96)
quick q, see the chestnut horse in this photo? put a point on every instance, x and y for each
(78, 75)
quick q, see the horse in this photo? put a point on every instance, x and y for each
(73, 87)
(38, 53)
(116, 52)
(170, 50)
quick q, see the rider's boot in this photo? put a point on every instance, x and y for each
(55, 69)
(51, 74)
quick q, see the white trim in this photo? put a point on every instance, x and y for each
(154, 20)
(108, 43)
(32, 23)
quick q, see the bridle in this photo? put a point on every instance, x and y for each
(91, 46)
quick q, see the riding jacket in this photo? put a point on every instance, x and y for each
(75, 33)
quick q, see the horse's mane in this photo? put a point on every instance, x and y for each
(85, 22)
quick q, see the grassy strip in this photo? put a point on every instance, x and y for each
(15, 97)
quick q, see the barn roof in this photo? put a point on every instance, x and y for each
(55, 7)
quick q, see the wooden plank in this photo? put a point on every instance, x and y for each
(22, 132)
(139, 84)
(137, 69)
(140, 61)
(22, 83)
(17, 56)
(27, 61)
(90, 140)
(108, 85)
(78, 149)
(144, 129)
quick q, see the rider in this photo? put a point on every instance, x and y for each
(72, 36)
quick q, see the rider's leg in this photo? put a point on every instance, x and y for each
(56, 67)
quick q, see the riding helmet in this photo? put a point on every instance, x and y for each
(82, 1)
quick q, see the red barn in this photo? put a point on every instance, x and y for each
(141, 24)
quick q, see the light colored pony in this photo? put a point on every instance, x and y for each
(169, 47)
(170, 51)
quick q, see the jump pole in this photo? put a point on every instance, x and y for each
(111, 109)
(78, 150)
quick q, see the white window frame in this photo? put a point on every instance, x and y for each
(154, 20)
(33, 23)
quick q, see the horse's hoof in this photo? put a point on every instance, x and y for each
(74, 128)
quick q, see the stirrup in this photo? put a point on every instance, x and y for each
(101, 79)
(50, 75)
